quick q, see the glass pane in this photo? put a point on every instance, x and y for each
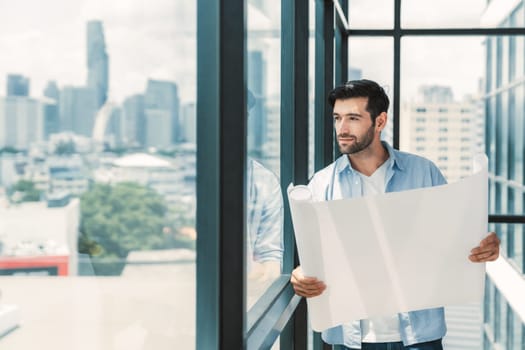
(366, 59)
(505, 123)
(371, 14)
(98, 174)
(464, 14)
(264, 208)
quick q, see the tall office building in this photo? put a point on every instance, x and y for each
(51, 117)
(504, 312)
(443, 130)
(189, 122)
(17, 85)
(133, 120)
(21, 121)
(78, 107)
(161, 110)
(51, 90)
(97, 61)
(114, 127)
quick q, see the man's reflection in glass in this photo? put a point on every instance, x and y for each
(264, 220)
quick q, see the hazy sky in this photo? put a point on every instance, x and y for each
(46, 40)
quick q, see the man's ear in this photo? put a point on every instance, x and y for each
(381, 121)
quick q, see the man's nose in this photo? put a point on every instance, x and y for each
(344, 126)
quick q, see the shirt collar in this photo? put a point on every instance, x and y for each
(342, 163)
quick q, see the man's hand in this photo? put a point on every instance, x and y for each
(488, 249)
(306, 286)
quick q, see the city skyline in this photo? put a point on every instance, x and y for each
(158, 41)
(137, 40)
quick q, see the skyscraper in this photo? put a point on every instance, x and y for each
(51, 117)
(52, 91)
(161, 113)
(17, 85)
(134, 123)
(189, 123)
(78, 107)
(97, 61)
(21, 121)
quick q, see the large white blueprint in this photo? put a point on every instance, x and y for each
(384, 254)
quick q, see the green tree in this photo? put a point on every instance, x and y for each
(25, 191)
(120, 218)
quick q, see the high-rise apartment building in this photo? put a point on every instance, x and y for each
(441, 129)
(97, 61)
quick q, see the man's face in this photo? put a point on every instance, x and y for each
(353, 125)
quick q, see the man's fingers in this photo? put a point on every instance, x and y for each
(484, 249)
(488, 249)
(308, 291)
(484, 256)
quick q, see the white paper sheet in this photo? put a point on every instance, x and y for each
(384, 254)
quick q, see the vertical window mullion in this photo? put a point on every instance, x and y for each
(221, 159)
(294, 139)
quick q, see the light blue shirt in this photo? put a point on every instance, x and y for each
(404, 172)
(264, 214)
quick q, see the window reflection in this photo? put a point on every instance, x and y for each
(264, 206)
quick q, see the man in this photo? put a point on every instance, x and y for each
(369, 166)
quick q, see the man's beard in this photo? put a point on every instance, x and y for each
(359, 144)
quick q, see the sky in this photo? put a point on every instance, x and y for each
(46, 40)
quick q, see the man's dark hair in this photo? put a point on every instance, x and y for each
(377, 99)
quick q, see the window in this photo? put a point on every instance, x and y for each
(110, 117)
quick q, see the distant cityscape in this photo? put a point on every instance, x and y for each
(75, 136)
(154, 118)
